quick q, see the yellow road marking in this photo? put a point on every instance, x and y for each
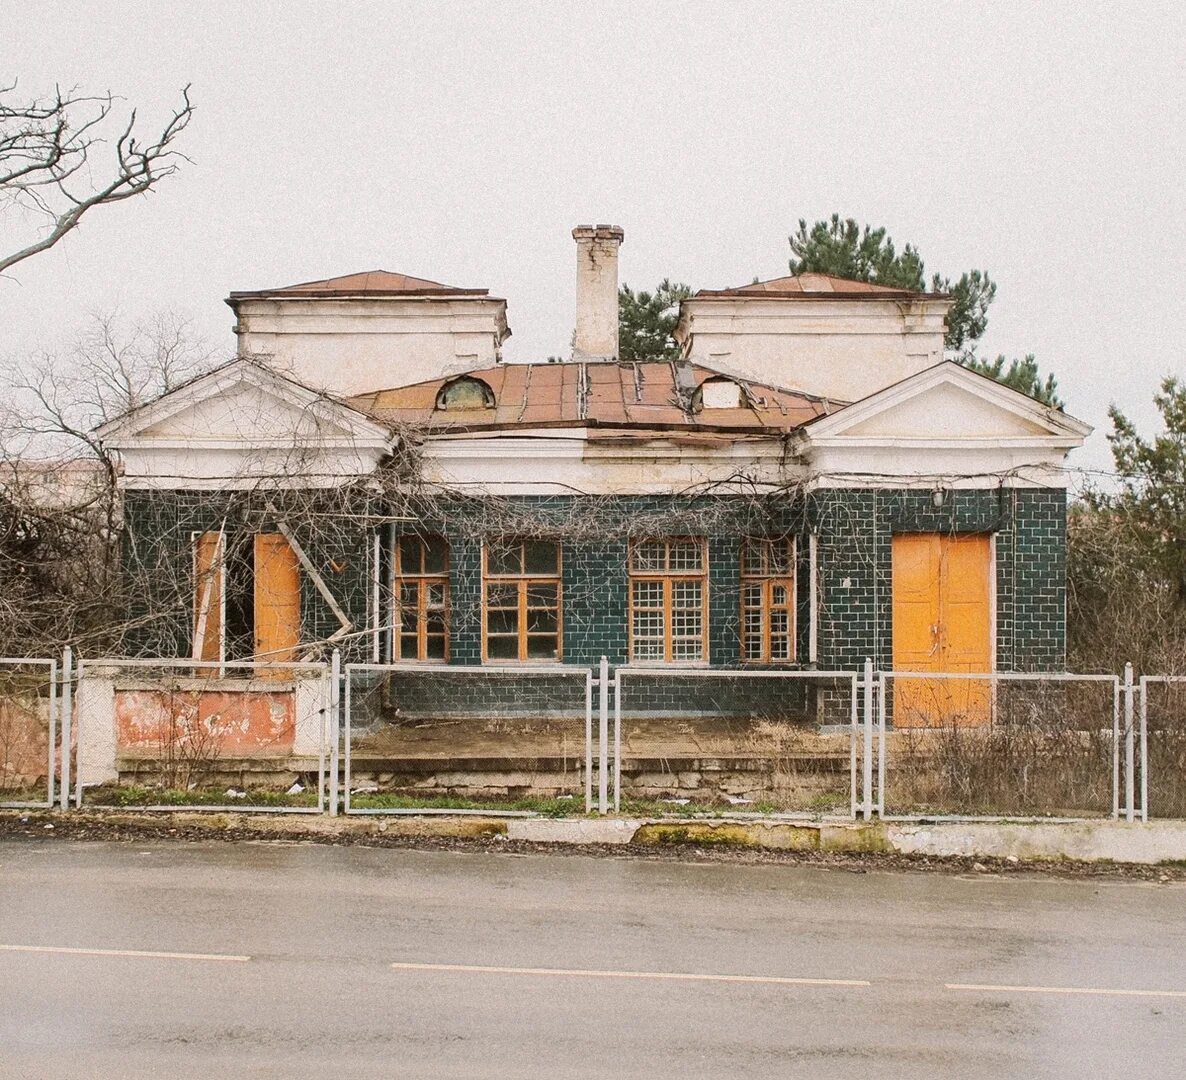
(141, 953)
(596, 973)
(1092, 990)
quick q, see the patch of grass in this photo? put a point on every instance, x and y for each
(553, 807)
(23, 794)
(132, 795)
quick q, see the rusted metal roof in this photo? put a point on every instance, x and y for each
(815, 286)
(651, 394)
(367, 283)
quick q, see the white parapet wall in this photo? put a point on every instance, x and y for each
(94, 718)
(312, 717)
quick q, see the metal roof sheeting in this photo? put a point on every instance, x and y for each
(650, 394)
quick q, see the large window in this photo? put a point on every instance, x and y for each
(421, 598)
(768, 600)
(247, 597)
(668, 600)
(521, 594)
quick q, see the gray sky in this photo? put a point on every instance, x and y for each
(461, 142)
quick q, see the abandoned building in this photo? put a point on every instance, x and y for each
(809, 484)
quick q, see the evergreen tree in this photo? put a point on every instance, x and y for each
(1021, 375)
(842, 248)
(646, 321)
(1152, 497)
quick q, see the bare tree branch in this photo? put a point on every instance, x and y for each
(48, 149)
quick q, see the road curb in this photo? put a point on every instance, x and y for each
(1103, 841)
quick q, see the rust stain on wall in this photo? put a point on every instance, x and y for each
(24, 742)
(232, 723)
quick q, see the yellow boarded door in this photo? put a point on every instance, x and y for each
(942, 622)
(277, 599)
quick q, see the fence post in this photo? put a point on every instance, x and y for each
(589, 742)
(335, 673)
(1144, 750)
(603, 737)
(1129, 754)
(881, 746)
(67, 723)
(617, 742)
(867, 784)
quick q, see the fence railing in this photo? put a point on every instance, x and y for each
(444, 737)
(159, 734)
(1162, 745)
(773, 741)
(1000, 745)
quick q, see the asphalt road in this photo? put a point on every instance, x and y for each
(300, 960)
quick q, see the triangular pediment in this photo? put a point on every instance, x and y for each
(244, 402)
(949, 402)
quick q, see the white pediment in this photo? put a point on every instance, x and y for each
(245, 411)
(946, 411)
(944, 426)
(244, 402)
(948, 403)
(244, 424)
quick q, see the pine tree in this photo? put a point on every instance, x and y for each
(646, 321)
(842, 248)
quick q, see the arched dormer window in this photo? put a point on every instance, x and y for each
(718, 393)
(464, 392)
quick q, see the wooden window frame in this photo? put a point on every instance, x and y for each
(767, 578)
(523, 582)
(422, 578)
(667, 577)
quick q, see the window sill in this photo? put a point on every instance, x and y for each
(676, 665)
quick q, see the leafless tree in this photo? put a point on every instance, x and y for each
(59, 506)
(66, 153)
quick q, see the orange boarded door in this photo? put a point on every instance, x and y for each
(277, 599)
(208, 586)
(942, 622)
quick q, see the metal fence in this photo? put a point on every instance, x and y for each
(1000, 745)
(28, 731)
(159, 734)
(745, 741)
(454, 738)
(1162, 746)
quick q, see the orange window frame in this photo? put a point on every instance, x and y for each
(763, 574)
(521, 583)
(668, 578)
(422, 579)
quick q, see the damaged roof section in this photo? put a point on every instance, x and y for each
(652, 394)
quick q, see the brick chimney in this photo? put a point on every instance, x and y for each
(596, 334)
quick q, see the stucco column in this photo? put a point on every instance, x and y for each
(94, 717)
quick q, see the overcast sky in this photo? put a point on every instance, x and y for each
(461, 142)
